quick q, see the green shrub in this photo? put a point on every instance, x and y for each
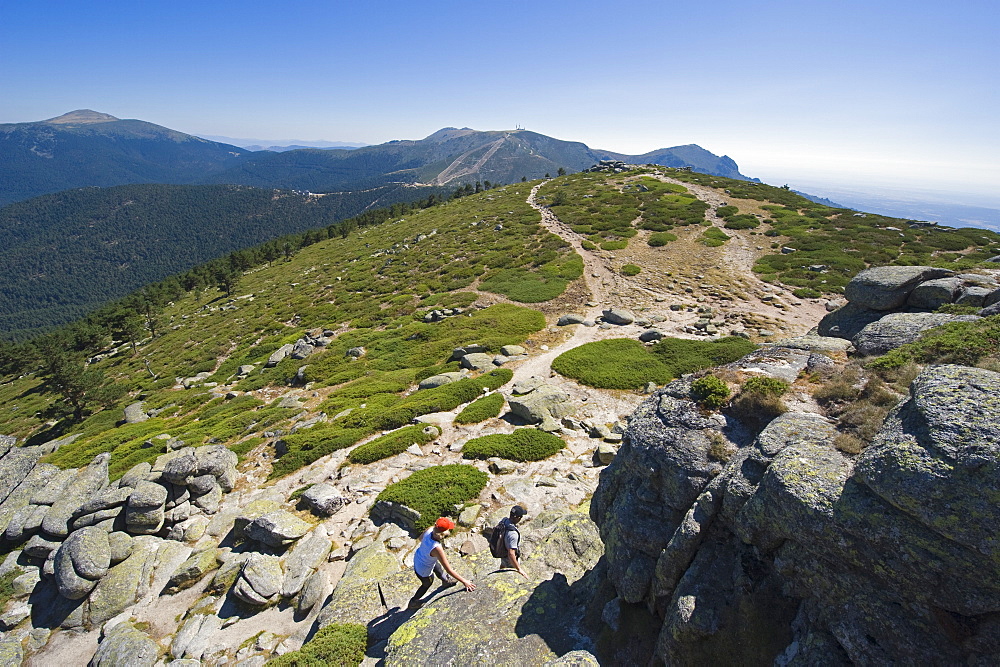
(7, 585)
(631, 270)
(742, 222)
(312, 444)
(434, 492)
(957, 309)
(807, 293)
(710, 392)
(688, 356)
(337, 645)
(726, 211)
(659, 239)
(713, 237)
(389, 444)
(524, 444)
(587, 245)
(759, 402)
(614, 245)
(481, 409)
(965, 343)
(241, 449)
(766, 386)
(619, 363)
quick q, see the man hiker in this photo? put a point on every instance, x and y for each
(506, 541)
(429, 560)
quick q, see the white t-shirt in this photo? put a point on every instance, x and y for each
(423, 560)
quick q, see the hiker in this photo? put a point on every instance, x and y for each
(429, 560)
(506, 539)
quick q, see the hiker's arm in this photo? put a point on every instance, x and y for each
(469, 586)
(512, 556)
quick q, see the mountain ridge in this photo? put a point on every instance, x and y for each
(89, 148)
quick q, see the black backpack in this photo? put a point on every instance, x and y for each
(498, 546)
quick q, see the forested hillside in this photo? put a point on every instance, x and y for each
(70, 252)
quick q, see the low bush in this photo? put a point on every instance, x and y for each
(614, 245)
(631, 270)
(338, 644)
(312, 444)
(759, 402)
(241, 449)
(588, 245)
(742, 222)
(726, 211)
(481, 409)
(619, 363)
(688, 356)
(623, 363)
(389, 444)
(766, 386)
(720, 449)
(434, 492)
(709, 392)
(713, 237)
(965, 343)
(524, 444)
(660, 239)
(844, 387)
(7, 584)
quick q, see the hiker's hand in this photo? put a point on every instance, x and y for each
(523, 574)
(469, 586)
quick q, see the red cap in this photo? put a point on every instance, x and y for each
(444, 523)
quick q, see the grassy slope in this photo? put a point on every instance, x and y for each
(372, 288)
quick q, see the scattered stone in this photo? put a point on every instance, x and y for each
(618, 316)
(324, 499)
(277, 529)
(124, 644)
(500, 466)
(290, 402)
(312, 592)
(279, 355)
(569, 319)
(441, 379)
(304, 559)
(477, 361)
(545, 405)
(260, 579)
(193, 569)
(134, 414)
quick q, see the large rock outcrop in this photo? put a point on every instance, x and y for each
(795, 553)
(888, 305)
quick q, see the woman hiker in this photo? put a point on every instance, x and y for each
(429, 560)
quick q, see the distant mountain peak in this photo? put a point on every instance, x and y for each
(81, 117)
(447, 133)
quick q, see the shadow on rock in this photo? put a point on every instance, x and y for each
(51, 610)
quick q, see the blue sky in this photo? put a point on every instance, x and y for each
(902, 94)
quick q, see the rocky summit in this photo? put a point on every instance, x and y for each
(732, 453)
